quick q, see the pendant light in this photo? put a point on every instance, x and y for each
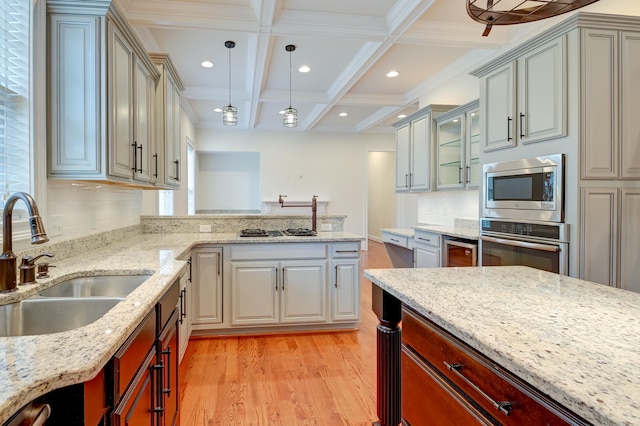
(290, 114)
(230, 113)
(485, 12)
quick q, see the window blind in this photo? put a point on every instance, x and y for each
(15, 145)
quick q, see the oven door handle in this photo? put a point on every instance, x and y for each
(534, 246)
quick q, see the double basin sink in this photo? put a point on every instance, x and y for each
(68, 305)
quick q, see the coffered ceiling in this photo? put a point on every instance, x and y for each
(350, 45)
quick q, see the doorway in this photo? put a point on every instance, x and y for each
(381, 196)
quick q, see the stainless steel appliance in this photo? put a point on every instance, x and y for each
(527, 189)
(536, 244)
(459, 252)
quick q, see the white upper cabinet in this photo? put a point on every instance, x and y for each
(414, 149)
(611, 101)
(524, 100)
(168, 122)
(458, 147)
(101, 87)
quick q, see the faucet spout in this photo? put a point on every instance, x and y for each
(38, 236)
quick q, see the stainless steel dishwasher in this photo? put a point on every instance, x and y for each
(459, 252)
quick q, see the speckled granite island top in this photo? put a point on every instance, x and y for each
(32, 366)
(576, 341)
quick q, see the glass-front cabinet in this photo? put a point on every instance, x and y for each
(458, 147)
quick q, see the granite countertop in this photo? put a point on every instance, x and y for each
(31, 366)
(578, 342)
(452, 231)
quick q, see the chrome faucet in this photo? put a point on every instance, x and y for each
(8, 272)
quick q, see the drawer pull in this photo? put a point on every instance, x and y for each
(503, 406)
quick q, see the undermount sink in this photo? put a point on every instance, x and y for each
(34, 316)
(101, 286)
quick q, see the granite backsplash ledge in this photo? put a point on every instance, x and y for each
(235, 223)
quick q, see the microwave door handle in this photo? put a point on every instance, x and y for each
(534, 246)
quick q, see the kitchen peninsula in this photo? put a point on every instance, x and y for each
(32, 366)
(535, 343)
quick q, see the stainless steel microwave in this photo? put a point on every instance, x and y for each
(530, 189)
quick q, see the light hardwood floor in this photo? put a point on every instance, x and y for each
(290, 379)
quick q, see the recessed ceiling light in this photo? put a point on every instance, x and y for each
(402, 115)
(206, 64)
(392, 74)
(217, 110)
(304, 68)
(343, 114)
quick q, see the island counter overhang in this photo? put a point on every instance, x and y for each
(575, 341)
(32, 366)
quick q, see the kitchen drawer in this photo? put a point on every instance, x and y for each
(350, 249)
(425, 237)
(395, 239)
(130, 356)
(474, 374)
(278, 251)
(167, 304)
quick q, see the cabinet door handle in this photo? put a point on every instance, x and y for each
(155, 156)
(522, 125)
(349, 251)
(167, 390)
(406, 181)
(156, 379)
(459, 174)
(468, 174)
(177, 163)
(219, 263)
(336, 283)
(410, 179)
(509, 119)
(181, 305)
(275, 271)
(283, 278)
(140, 148)
(190, 262)
(424, 239)
(504, 407)
(134, 145)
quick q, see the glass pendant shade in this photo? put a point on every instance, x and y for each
(290, 114)
(230, 115)
(290, 117)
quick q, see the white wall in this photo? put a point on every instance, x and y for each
(300, 165)
(228, 181)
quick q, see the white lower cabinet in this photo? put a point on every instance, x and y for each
(428, 253)
(206, 300)
(345, 281)
(610, 231)
(264, 292)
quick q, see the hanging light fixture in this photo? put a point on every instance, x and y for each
(512, 11)
(290, 114)
(230, 113)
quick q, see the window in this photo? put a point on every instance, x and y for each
(191, 177)
(15, 101)
(165, 203)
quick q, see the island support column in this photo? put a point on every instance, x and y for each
(388, 309)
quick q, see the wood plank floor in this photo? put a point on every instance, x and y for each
(289, 379)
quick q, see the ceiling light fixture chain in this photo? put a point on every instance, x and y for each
(519, 11)
(230, 113)
(290, 114)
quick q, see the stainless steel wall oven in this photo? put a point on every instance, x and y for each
(539, 245)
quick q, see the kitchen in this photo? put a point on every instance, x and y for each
(80, 209)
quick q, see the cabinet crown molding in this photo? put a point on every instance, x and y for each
(422, 112)
(577, 20)
(164, 59)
